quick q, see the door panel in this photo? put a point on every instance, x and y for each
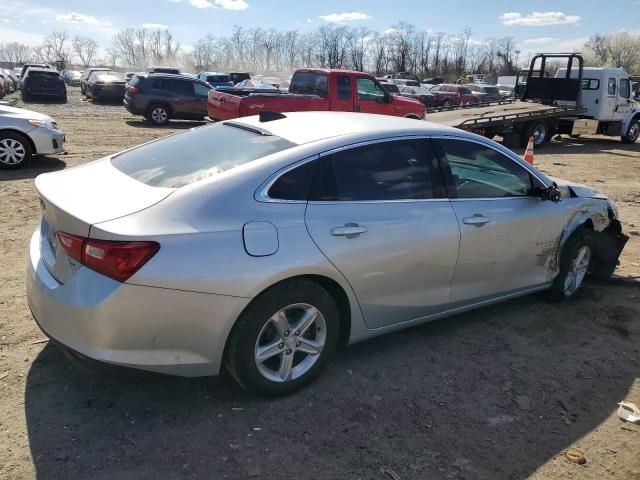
(373, 215)
(508, 236)
(402, 265)
(514, 249)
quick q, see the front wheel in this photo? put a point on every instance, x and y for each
(15, 150)
(283, 339)
(575, 259)
(633, 132)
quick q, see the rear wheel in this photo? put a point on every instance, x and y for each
(158, 114)
(15, 150)
(633, 132)
(446, 103)
(283, 339)
(538, 130)
(575, 259)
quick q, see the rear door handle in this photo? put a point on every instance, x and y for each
(350, 230)
(477, 220)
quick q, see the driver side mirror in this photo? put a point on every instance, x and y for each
(550, 193)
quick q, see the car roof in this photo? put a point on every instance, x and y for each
(214, 73)
(306, 127)
(169, 75)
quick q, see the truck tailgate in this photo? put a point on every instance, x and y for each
(225, 106)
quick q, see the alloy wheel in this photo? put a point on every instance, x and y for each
(634, 132)
(290, 342)
(577, 270)
(12, 152)
(159, 115)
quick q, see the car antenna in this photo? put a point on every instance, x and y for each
(269, 116)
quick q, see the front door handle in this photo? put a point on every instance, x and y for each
(477, 220)
(350, 230)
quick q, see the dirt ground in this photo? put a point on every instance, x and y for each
(499, 393)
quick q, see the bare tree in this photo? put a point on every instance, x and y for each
(55, 48)
(624, 50)
(15, 53)
(598, 45)
(85, 49)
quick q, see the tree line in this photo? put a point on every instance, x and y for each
(400, 48)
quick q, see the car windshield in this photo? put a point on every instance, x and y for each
(203, 152)
(492, 90)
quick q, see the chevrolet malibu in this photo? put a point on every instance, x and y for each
(261, 244)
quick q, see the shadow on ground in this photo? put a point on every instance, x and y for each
(36, 166)
(489, 394)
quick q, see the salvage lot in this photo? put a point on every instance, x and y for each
(501, 392)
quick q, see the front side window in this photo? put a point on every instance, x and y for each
(179, 87)
(369, 90)
(396, 170)
(203, 152)
(344, 87)
(482, 172)
(611, 86)
(624, 88)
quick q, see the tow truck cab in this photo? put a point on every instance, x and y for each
(610, 106)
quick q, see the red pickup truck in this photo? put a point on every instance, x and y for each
(314, 89)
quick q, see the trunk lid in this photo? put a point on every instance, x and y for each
(75, 199)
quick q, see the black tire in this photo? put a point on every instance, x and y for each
(25, 96)
(633, 132)
(239, 357)
(153, 114)
(540, 139)
(575, 243)
(25, 146)
(446, 104)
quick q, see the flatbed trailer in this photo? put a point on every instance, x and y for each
(550, 105)
(506, 118)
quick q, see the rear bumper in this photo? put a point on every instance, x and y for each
(47, 141)
(160, 330)
(131, 107)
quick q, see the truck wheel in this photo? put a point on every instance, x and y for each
(633, 132)
(538, 130)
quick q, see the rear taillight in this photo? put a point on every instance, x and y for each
(117, 260)
(133, 89)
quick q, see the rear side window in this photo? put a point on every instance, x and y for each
(344, 87)
(202, 153)
(590, 84)
(397, 170)
(310, 83)
(294, 184)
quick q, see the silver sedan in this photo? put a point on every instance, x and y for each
(262, 244)
(24, 133)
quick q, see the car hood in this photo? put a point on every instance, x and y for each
(577, 189)
(13, 112)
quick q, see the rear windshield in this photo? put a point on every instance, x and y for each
(310, 83)
(35, 74)
(218, 78)
(110, 77)
(188, 157)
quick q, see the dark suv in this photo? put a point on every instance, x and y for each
(160, 97)
(44, 82)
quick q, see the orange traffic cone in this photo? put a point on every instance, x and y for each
(528, 154)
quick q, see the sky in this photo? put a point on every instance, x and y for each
(550, 26)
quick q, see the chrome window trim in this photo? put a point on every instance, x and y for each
(261, 194)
